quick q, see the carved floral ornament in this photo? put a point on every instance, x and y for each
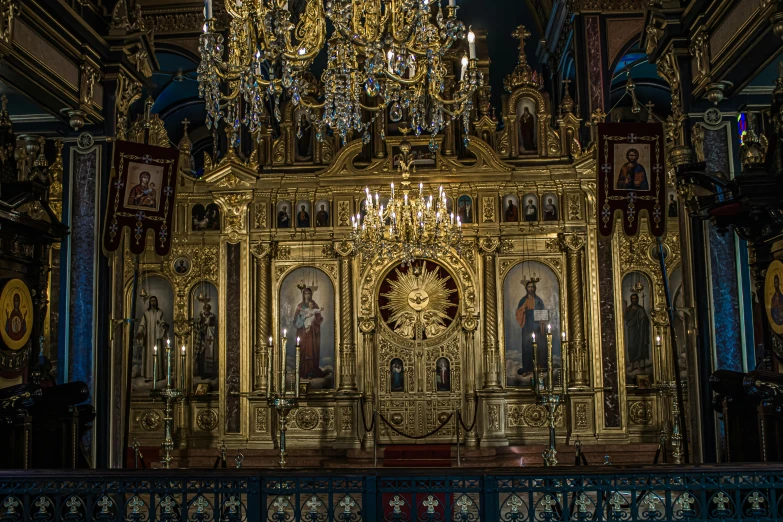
(233, 206)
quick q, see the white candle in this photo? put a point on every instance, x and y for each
(472, 44)
(182, 369)
(296, 390)
(464, 68)
(452, 3)
(270, 376)
(534, 337)
(657, 340)
(208, 9)
(549, 328)
(392, 190)
(563, 334)
(154, 367)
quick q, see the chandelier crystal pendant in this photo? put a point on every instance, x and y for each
(383, 55)
(266, 52)
(414, 226)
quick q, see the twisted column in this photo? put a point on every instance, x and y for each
(490, 343)
(347, 341)
(573, 245)
(469, 325)
(263, 310)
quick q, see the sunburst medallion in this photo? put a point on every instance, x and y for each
(418, 302)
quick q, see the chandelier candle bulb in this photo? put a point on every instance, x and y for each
(208, 9)
(464, 68)
(154, 367)
(472, 44)
(452, 3)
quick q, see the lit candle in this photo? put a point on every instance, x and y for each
(392, 190)
(154, 367)
(208, 9)
(168, 363)
(549, 328)
(534, 337)
(282, 363)
(421, 187)
(270, 376)
(564, 365)
(563, 334)
(472, 44)
(296, 390)
(182, 369)
(390, 57)
(550, 366)
(464, 68)
(657, 340)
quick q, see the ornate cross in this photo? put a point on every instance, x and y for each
(464, 503)
(168, 505)
(566, 82)
(431, 502)
(280, 503)
(135, 503)
(10, 504)
(42, 504)
(548, 502)
(581, 503)
(104, 503)
(632, 138)
(396, 503)
(347, 503)
(721, 500)
(73, 504)
(521, 34)
(616, 502)
(514, 502)
(201, 504)
(649, 106)
(755, 501)
(313, 503)
(686, 500)
(651, 500)
(232, 504)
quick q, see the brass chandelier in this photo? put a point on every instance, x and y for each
(382, 54)
(414, 226)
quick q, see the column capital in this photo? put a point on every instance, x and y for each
(262, 251)
(571, 243)
(489, 245)
(343, 248)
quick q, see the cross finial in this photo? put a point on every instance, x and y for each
(649, 106)
(185, 123)
(521, 34)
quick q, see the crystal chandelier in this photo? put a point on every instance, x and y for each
(382, 54)
(414, 226)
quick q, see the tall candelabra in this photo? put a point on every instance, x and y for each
(667, 388)
(548, 396)
(170, 394)
(277, 395)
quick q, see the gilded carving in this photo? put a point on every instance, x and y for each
(89, 75)
(207, 419)
(493, 417)
(530, 416)
(150, 420)
(488, 209)
(343, 213)
(640, 412)
(234, 208)
(261, 215)
(346, 418)
(574, 206)
(283, 253)
(580, 414)
(309, 419)
(261, 419)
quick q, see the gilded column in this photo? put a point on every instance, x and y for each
(347, 341)
(263, 308)
(367, 328)
(490, 343)
(574, 244)
(469, 325)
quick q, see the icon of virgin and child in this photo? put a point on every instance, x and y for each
(307, 321)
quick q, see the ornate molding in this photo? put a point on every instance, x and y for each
(234, 208)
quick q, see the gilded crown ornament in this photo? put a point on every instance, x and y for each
(381, 55)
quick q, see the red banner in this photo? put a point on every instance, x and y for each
(631, 176)
(141, 196)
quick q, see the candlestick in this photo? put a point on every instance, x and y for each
(564, 364)
(154, 367)
(296, 390)
(472, 44)
(182, 369)
(270, 376)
